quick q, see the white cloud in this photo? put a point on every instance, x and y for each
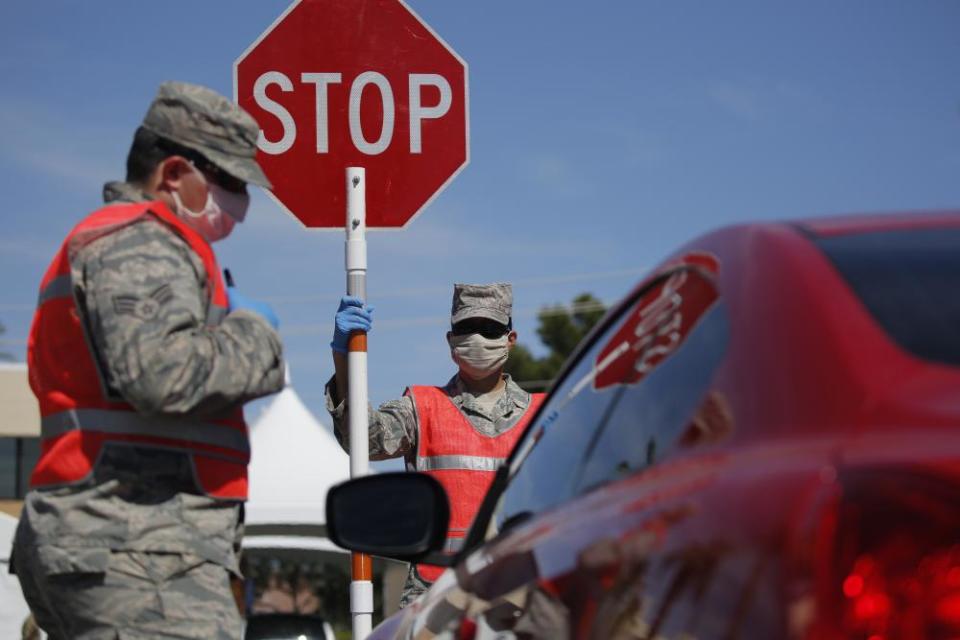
(741, 101)
(41, 141)
(30, 247)
(555, 173)
(75, 168)
(801, 98)
(465, 239)
(754, 99)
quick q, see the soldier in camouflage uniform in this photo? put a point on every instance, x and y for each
(481, 398)
(132, 526)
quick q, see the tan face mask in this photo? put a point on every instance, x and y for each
(478, 357)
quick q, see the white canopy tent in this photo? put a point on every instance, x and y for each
(295, 460)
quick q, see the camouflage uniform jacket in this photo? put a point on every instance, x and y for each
(166, 364)
(394, 427)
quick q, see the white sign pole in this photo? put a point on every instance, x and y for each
(361, 588)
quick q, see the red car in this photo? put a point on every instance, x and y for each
(761, 441)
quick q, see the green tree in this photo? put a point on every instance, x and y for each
(561, 328)
(4, 355)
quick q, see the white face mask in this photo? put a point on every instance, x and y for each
(479, 357)
(223, 210)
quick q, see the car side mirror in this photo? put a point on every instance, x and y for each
(398, 515)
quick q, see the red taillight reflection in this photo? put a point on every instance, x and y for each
(886, 554)
(853, 586)
(948, 610)
(868, 603)
(902, 592)
(467, 630)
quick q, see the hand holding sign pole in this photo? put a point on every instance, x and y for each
(362, 89)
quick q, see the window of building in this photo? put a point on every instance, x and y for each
(648, 420)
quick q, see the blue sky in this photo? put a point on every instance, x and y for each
(603, 135)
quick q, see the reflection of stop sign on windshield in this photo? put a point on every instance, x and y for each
(355, 83)
(658, 322)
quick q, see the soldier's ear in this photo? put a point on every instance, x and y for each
(512, 338)
(171, 172)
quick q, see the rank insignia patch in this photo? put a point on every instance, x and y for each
(146, 307)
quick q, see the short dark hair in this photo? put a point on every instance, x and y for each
(148, 150)
(145, 154)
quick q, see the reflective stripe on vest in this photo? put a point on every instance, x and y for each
(452, 545)
(463, 463)
(59, 287)
(215, 315)
(107, 421)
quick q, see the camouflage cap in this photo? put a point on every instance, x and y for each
(203, 120)
(493, 301)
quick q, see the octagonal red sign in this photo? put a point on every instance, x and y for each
(355, 83)
(659, 321)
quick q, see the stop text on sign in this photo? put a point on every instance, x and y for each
(369, 85)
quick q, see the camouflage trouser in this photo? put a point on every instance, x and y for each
(133, 553)
(99, 594)
(413, 588)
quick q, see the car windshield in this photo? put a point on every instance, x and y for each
(909, 280)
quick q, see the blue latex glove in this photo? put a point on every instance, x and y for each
(351, 316)
(237, 300)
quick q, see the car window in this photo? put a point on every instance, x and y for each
(556, 456)
(909, 279)
(646, 421)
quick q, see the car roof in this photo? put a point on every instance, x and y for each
(863, 223)
(800, 334)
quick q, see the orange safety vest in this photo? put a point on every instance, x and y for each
(461, 458)
(79, 414)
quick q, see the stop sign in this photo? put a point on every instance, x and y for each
(355, 83)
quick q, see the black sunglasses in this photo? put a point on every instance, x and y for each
(490, 329)
(218, 175)
(210, 170)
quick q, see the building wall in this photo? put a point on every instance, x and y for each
(11, 507)
(19, 413)
(19, 434)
